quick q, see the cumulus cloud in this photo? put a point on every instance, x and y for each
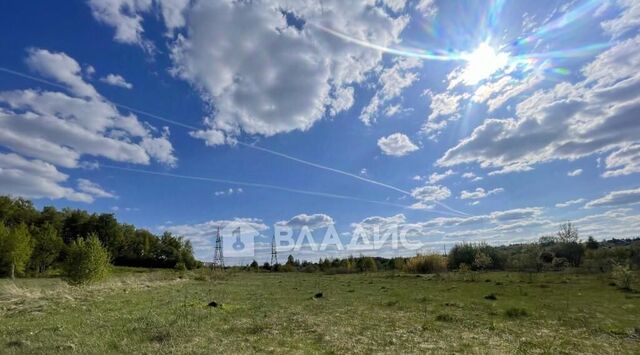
(61, 68)
(313, 221)
(430, 193)
(60, 128)
(391, 82)
(444, 107)
(117, 80)
(427, 8)
(35, 179)
(45, 129)
(93, 189)
(436, 177)
(396, 145)
(471, 176)
(568, 121)
(616, 198)
(628, 19)
(265, 66)
(479, 193)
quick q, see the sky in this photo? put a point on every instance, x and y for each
(477, 121)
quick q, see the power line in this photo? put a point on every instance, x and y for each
(251, 146)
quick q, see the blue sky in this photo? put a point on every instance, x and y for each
(470, 120)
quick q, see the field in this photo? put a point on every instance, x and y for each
(166, 312)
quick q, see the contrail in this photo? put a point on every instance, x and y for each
(251, 146)
(259, 185)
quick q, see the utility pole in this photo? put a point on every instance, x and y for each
(274, 252)
(218, 257)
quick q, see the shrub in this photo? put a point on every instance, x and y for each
(559, 263)
(623, 276)
(87, 261)
(572, 251)
(461, 254)
(482, 261)
(426, 264)
(490, 257)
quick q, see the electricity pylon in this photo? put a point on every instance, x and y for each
(218, 257)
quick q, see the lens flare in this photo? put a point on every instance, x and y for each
(482, 63)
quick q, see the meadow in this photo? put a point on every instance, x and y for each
(148, 311)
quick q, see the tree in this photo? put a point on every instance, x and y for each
(47, 248)
(481, 261)
(567, 233)
(87, 261)
(592, 244)
(15, 248)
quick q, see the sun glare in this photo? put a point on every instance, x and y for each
(482, 63)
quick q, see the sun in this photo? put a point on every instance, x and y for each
(482, 63)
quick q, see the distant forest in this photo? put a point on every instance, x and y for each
(49, 232)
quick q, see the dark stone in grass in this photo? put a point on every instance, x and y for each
(318, 295)
(515, 312)
(17, 344)
(444, 317)
(498, 283)
(491, 297)
(612, 284)
(213, 304)
(487, 280)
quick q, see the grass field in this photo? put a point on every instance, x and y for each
(160, 312)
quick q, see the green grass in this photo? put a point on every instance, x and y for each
(159, 312)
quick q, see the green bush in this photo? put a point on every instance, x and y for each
(426, 264)
(87, 261)
(490, 257)
(623, 276)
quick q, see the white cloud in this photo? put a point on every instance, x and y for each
(395, 5)
(427, 8)
(396, 145)
(479, 193)
(230, 191)
(35, 179)
(313, 221)
(93, 189)
(624, 161)
(471, 176)
(566, 122)
(60, 129)
(284, 76)
(124, 16)
(391, 83)
(576, 172)
(435, 177)
(628, 20)
(570, 203)
(61, 68)
(616, 198)
(431, 193)
(117, 80)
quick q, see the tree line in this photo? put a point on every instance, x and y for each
(563, 250)
(33, 241)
